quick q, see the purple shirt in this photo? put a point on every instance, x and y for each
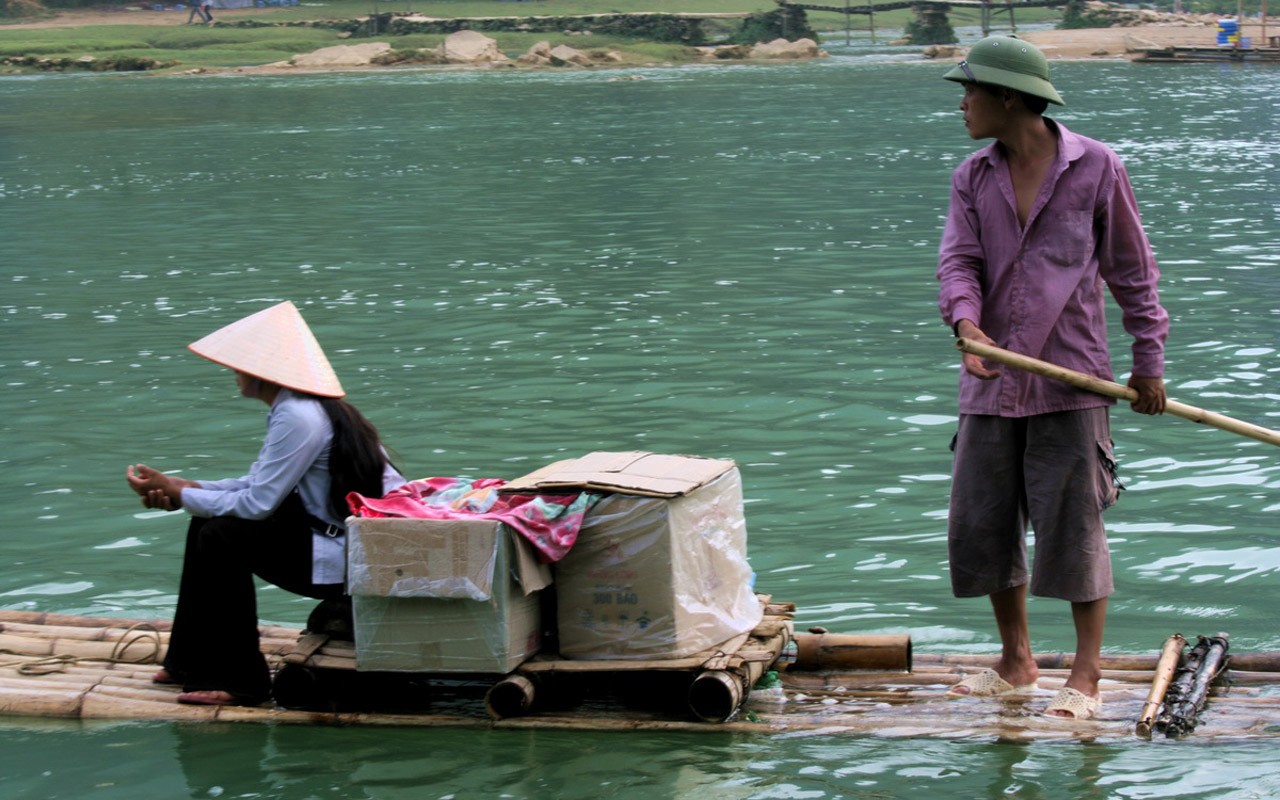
(1037, 290)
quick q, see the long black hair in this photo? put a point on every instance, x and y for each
(356, 457)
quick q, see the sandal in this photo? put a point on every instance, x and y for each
(1077, 704)
(165, 678)
(214, 697)
(988, 683)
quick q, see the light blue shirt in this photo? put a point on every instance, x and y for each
(294, 454)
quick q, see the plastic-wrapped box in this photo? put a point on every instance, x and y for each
(660, 568)
(442, 595)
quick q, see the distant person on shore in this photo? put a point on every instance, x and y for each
(283, 521)
(1039, 222)
(200, 8)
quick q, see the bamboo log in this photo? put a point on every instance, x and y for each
(73, 620)
(84, 632)
(111, 678)
(153, 694)
(510, 697)
(1165, 667)
(47, 703)
(1265, 661)
(834, 651)
(25, 645)
(75, 648)
(1112, 389)
(43, 684)
(103, 705)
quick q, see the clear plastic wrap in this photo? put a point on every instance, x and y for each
(439, 596)
(444, 559)
(657, 577)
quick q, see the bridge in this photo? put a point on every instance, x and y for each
(988, 9)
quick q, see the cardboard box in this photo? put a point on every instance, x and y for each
(442, 595)
(659, 569)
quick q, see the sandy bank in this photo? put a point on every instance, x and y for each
(1114, 42)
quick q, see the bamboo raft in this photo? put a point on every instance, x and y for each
(1191, 54)
(75, 667)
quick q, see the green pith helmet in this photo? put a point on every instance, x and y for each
(1010, 62)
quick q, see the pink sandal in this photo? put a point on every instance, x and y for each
(213, 697)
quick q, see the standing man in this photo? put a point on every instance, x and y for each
(1039, 221)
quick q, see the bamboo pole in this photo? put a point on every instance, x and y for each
(1111, 389)
(51, 618)
(1165, 668)
(48, 703)
(822, 651)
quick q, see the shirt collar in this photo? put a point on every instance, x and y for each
(1070, 145)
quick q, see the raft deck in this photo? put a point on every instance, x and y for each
(1192, 54)
(100, 668)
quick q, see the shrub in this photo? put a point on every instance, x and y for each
(19, 9)
(787, 22)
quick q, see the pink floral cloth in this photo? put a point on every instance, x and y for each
(549, 522)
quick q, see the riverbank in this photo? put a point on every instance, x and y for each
(181, 47)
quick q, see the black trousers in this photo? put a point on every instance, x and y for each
(214, 643)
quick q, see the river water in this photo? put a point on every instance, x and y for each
(512, 268)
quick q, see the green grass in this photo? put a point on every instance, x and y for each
(192, 46)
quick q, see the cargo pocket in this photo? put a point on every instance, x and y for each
(1109, 485)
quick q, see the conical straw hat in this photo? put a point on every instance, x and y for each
(275, 345)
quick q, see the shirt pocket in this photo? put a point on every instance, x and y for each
(1068, 243)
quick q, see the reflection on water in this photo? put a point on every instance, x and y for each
(510, 269)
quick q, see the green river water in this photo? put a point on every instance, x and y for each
(512, 268)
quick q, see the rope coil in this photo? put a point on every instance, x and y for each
(138, 633)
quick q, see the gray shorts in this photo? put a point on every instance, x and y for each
(1056, 471)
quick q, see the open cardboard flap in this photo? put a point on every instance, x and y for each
(634, 472)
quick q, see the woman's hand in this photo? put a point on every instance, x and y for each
(156, 489)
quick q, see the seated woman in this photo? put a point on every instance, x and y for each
(283, 521)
